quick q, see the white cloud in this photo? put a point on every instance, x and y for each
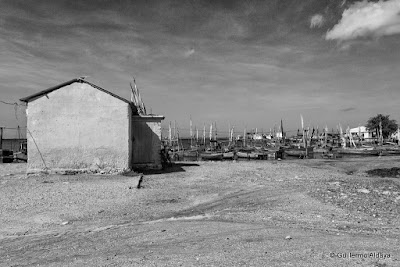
(367, 19)
(317, 21)
(189, 52)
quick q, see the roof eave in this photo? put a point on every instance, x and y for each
(49, 90)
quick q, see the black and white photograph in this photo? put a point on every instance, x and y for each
(200, 133)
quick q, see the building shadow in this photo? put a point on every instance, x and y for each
(174, 167)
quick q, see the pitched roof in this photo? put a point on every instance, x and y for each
(77, 80)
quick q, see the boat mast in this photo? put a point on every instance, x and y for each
(174, 139)
(343, 140)
(211, 131)
(215, 136)
(351, 137)
(303, 131)
(326, 135)
(244, 137)
(191, 132)
(177, 136)
(229, 133)
(204, 134)
(170, 134)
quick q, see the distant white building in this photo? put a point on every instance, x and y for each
(396, 135)
(362, 131)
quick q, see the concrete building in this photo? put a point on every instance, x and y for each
(396, 135)
(77, 125)
(363, 132)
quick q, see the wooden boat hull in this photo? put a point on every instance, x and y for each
(228, 155)
(264, 154)
(211, 156)
(359, 152)
(389, 152)
(241, 154)
(253, 155)
(295, 152)
(363, 147)
(247, 155)
(320, 150)
(273, 155)
(190, 153)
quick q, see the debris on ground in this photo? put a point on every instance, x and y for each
(389, 172)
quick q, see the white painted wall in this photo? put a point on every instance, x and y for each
(363, 130)
(78, 127)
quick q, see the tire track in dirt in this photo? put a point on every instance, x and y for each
(259, 196)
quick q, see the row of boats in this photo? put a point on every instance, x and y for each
(226, 154)
(253, 153)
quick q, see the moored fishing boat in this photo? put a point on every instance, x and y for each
(389, 152)
(364, 147)
(321, 150)
(299, 152)
(253, 155)
(247, 155)
(241, 154)
(360, 151)
(190, 153)
(295, 152)
(228, 155)
(211, 155)
(389, 149)
(264, 154)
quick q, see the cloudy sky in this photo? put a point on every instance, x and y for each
(244, 63)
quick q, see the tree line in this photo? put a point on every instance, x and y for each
(388, 126)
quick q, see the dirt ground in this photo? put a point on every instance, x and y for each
(244, 213)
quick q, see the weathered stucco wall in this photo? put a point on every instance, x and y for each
(146, 136)
(78, 127)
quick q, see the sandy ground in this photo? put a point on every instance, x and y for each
(245, 213)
